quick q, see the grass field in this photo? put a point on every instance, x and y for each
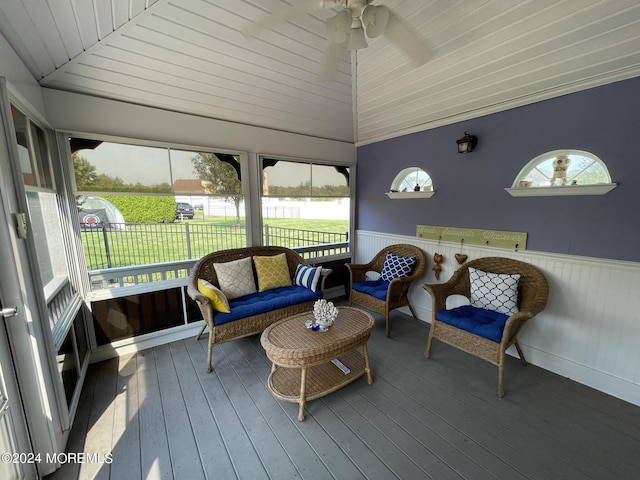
(335, 226)
(164, 242)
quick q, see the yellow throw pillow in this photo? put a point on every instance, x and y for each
(273, 272)
(218, 299)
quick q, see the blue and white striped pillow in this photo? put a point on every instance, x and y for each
(307, 277)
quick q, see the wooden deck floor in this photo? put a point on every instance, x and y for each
(161, 415)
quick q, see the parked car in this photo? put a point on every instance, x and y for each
(184, 210)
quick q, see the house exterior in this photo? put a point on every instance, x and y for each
(587, 245)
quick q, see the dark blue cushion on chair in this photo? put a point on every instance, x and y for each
(481, 322)
(375, 288)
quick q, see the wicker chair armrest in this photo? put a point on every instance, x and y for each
(513, 325)
(324, 273)
(441, 291)
(397, 287)
(206, 308)
(192, 290)
(358, 272)
(195, 295)
(537, 305)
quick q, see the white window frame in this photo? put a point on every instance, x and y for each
(520, 188)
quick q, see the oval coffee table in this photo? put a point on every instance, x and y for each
(302, 367)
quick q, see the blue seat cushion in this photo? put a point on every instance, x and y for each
(481, 322)
(375, 288)
(261, 302)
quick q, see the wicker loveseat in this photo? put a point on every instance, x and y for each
(250, 314)
(484, 332)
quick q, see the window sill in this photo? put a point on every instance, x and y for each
(398, 195)
(600, 189)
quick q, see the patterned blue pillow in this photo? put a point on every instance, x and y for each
(494, 291)
(307, 277)
(396, 267)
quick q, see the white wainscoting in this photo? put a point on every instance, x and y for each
(590, 330)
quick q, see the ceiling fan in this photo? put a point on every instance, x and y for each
(354, 22)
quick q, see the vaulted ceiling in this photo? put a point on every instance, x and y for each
(191, 56)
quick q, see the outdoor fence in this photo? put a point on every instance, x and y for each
(123, 245)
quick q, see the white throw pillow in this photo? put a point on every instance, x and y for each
(494, 291)
(236, 278)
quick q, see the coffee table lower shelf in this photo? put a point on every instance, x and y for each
(285, 383)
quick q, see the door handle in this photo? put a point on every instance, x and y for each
(9, 312)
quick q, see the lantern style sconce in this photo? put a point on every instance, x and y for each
(467, 143)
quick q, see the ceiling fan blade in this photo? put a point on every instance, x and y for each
(332, 60)
(407, 39)
(299, 7)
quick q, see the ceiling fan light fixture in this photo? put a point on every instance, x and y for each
(357, 39)
(375, 19)
(338, 26)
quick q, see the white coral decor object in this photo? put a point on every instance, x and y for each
(325, 313)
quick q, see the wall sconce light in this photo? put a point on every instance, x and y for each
(467, 143)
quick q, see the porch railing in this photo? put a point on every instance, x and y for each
(122, 245)
(128, 255)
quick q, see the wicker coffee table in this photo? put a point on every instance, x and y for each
(302, 369)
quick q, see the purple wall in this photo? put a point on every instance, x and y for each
(470, 188)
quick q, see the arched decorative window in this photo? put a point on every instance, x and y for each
(563, 172)
(410, 183)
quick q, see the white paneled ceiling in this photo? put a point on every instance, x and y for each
(191, 56)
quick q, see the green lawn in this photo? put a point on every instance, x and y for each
(155, 243)
(336, 226)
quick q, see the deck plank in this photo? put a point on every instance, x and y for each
(185, 459)
(214, 457)
(126, 424)
(274, 458)
(163, 416)
(323, 441)
(285, 426)
(549, 435)
(154, 445)
(244, 458)
(99, 439)
(400, 464)
(78, 434)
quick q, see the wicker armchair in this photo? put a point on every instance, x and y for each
(533, 292)
(396, 295)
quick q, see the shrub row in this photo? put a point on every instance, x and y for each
(145, 209)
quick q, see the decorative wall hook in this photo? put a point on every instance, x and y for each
(461, 257)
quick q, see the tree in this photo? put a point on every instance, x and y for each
(89, 180)
(86, 175)
(222, 179)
